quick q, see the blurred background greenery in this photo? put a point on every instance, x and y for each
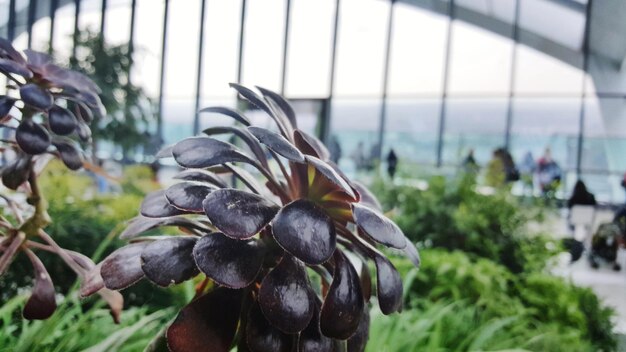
(483, 284)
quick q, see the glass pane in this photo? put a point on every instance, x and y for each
(537, 73)
(221, 48)
(90, 15)
(263, 43)
(417, 51)
(41, 27)
(480, 61)
(63, 31)
(541, 123)
(411, 129)
(117, 22)
(361, 47)
(473, 124)
(180, 70)
(539, 16)
(308, 61)
(605, 135)
(148, 37)
(354, 131)
(178, 115)
(21, 24)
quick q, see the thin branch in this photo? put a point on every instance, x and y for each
(9, 253)
(63, 254)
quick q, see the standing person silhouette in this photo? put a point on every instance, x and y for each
(392, 163)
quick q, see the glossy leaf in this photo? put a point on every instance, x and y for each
(304, 230)
(261, 336)
(201, 152)
(245, 136)
(202, 176)
(228, 112)
(282, 103)
(310, 145)
(6, 103)
(169, 261)
(388, 286)
(17, 172)
(122, 268)
(70, 155)
(412, 253)
(207, 324)
(277, 143)
(378, 227)
(187, 196)
(155, 205)
(83, 131)
(7, 49)
(358, 341)
(165, 152)
(238, 214)
(252, 97)
(92, 282)
(286, 297)
(42, 303)
(35, 96)
(9, 66)
(343, 305)
(366, 282)
(231, 263)
(62, 121)
(330, 175)
(32, 137)
(367, 197)
(311, 338)
(142, 224)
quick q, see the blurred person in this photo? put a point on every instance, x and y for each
(392, 163)
(469, 164)
(358, 155)
(527, 170)
(581, 196)
(501, 169)
(335, 149)
(548, 173)
(495, 175)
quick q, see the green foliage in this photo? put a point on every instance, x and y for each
(76, 326)
(453, 215)
(545, 308)
(461, 326)
(82, 221)
(129, 111)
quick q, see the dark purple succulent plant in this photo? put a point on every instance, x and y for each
(281, 266)
(47, 109)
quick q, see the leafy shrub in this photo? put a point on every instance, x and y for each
(539, 301)
(453, 215)
(76, 327)
(461, 326)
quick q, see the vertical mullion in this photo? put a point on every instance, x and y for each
(131, 37)
(11, 29)
(75, 34)
(196, 119)
(444, 93)
(283, 77)
(325, 125)
(54, 4)
(383, 106)
(242, 29)
(32, 12)
(103, 12)
(162, 73)
(583, 95)
(512, 77)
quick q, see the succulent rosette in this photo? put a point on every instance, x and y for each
(281, 266)
(48, 109)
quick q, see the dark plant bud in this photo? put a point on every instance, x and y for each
(35, 96)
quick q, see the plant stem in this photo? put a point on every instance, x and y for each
(10, 251)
